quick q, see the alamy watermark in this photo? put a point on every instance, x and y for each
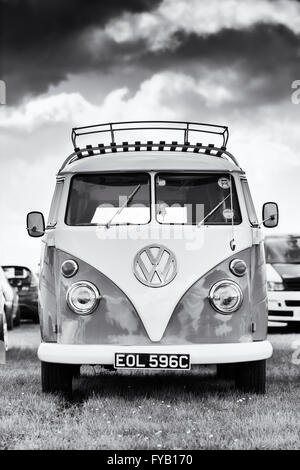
(295, 97)
(296, 353)
(2, 92)
(162, 222)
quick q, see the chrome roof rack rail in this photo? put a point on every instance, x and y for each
(186, 127)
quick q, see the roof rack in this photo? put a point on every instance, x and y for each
(113, 128)
(186, 127)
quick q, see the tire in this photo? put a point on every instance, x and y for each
(3, 328)
(251, 377)
(76, 370)
(36, 319)
(5, 336)
(226, 371)
(10, 322)
(57, 378)
(17, 320)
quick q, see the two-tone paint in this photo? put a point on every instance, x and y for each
(132, 316)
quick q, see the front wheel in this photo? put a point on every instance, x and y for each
(76, 371)
(251, 377)
(226, 371)
(57, 378)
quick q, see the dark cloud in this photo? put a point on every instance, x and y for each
(41, 39)
(266, 59)
(44, 42)
(266, 56)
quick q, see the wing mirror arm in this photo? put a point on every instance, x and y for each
(271, 217)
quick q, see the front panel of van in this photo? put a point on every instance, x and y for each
(130, 312)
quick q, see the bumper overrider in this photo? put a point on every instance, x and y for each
(199, 353)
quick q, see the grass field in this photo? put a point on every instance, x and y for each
(147, 411)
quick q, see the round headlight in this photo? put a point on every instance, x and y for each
(69, 268)
(226, 296)
(238, 267)
(83, 297)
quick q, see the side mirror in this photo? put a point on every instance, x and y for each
(270, 214)
(35, 224)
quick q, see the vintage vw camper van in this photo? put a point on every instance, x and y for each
(152, 257)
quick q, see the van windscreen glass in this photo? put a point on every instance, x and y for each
(196, 198)
(109, 198)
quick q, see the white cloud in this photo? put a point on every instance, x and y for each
(45, 110)
(156, 93)
(202, 18)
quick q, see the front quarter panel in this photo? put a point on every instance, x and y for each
(195, 321)
(115, 321)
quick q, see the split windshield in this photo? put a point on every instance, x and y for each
(283, 250)
(181, 198)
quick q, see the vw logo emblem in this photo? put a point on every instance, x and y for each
(155, 266)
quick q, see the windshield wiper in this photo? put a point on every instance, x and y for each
(128, 200)
(213, 210)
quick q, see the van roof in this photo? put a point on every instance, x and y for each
(150, 160)
(145, 155)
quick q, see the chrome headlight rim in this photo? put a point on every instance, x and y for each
(75, 286)
(215, 286)
(74, 264)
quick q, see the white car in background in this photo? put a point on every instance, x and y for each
(283, 277)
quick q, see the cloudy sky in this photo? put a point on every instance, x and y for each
(76, 62)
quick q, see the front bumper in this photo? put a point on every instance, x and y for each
(199, 353)
(284, 306)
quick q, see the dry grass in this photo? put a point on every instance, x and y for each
(150, 411)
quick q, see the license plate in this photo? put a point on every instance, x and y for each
(152, 361)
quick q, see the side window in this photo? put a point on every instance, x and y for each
(52, 219)
(249, 203)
